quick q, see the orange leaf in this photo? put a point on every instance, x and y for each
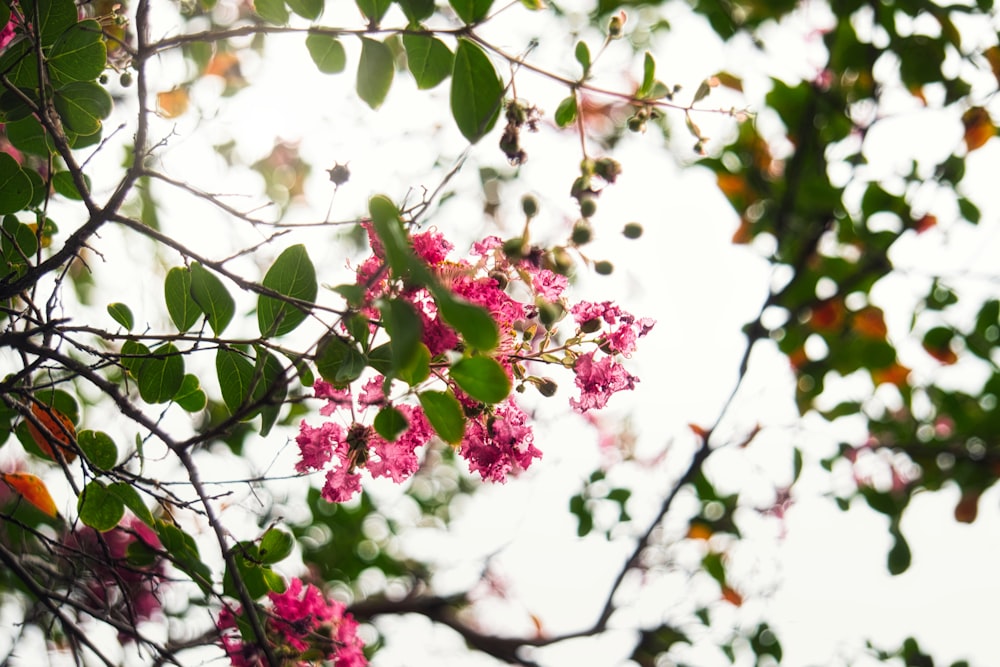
(979, 127)
(870, 323)
(895, 374)
(968, 507)
(993, 56)
(60, 431)
(925, 223)
(699, 431)
(744, 232)
(222, 64)
(731, 596)
(827, 316)
(798, 358)
(699, 531)
(943, 354)
(33, 490)
(172, 103)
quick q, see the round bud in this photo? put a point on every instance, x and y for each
(604, 267)
(529, 205)
(550, 313)
(500, 277)
(636, 124)
(632, 230)
(339, 174)
(560, 261)
(588, 207)
(609, 169)
(547, 387)
(103, 79)
(514, 248)
(591, 325)
(125, 79)
(582, 232)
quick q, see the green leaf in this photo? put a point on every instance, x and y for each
(566, 112)
(28, 135)
(160, 374)
(474, 323)
(648, 75)
(445, 414)
(359, 327)
(64, 184)
(15, 186)
(270, 389)
(389, 229)
(272, 11)
(183, 309)
(308, 9)
(121, 314)
(419, 368)
(190, 396)
(405, 330)
(184, 553)
(275, 546)
(248, 570)
(429, 60)
(417, 10)
(55, 16)
(82, 105)
(294, 276)
(898, 560)
(390, 423)
(131, 499)
(133, 355)
(582, 54)
(482, 378)
(78, 55)
(99, 448)
(339, 362)
(212, 297)
(19, 64)
(18, 243)
(471, 11)
(476, 91)
(99, 508)
(375, 71)
(374, 10)
(236, 379)
(327, 52)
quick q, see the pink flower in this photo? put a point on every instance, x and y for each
(598, 381)
(301, 626)
(398, 460)
(547, 284)
(317, 445)
(499, 442)
(341, 485)
(622, 328)
(431, 247)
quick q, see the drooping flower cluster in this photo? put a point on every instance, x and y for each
(526, 302)
(302, 627)
(121, 577)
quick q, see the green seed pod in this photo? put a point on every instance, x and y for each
(125, 79)
(547, 387)
(582, 232)
(604, 267)
(632, 230)
(550, 313)
(529, 205)
(590, 326)
(588, 207)
(514, 248)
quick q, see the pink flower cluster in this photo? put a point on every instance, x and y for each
(130, 591)
(303, 628)
(497, 441)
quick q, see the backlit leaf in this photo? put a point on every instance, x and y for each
(160, 374)
(390, 423)
(445, 415)
(482, 378)
(275, 546)
(471, 11)
(98, 508)
(429, 60)
(121, 314)
(374, 10)
(294, 276)
(476, 91)
(183, 309)
(375, 71)
(474, 323)
(191, 397)
(56, 430)
(309, 9)
(33, 490)
(327, 52)
(15, 186)
(272, 11)
(212, 297)
(98, 448)
(79, 54)
(566, 112)
(82, 105)
(236, 379)
(417, 10)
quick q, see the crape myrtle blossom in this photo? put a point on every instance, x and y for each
(497, 440)
(303, 627)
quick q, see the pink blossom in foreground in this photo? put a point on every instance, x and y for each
(621, 329)
(598, 381)
(302, 627)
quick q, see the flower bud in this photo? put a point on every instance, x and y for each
(616, 27)
(604, 267)
(582, 232)
(591, 325)
(500, 277)
(514, 248)
(632, 230)
(559, 260)
(339, 174)
(547, 387)
(550, 313)
(125, 79)
(529, 205)
(608, 169)
(588, 207)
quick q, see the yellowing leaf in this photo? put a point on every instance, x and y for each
(33, 490)
(979, 127)
(172, 103)
(870, 323)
